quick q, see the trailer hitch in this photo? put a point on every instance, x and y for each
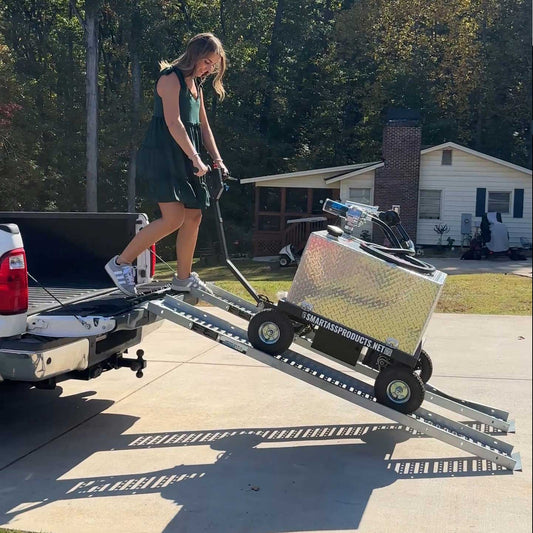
(137, 365)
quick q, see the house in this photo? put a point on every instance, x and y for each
(448, 184)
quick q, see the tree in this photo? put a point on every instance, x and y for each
(90, 27)
(307, 83)
(457, 61)
(40, 162)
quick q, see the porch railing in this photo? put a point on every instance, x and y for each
(295, 233)
(298, 230)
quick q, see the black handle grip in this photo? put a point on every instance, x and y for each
(391, 218)
(196, 169)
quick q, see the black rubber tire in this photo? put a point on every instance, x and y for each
(270, 331)
(284, 260)
(410, 385)
(424, 366)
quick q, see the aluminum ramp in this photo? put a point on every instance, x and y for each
(462, 436)
(490, 416)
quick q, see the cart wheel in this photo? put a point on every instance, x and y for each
(284, 260)
(270, 331)
(398, 388)
(424, 366)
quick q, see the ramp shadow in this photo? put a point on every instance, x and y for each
(277, 479)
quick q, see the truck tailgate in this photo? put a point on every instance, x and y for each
(36, 357)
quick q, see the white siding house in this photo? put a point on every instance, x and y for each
(450, 176)
(453, 181)
(458, 184)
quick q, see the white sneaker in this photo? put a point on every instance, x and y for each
(192, 282)
(123, 276)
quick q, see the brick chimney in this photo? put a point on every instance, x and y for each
(396, 183)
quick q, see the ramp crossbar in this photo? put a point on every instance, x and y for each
(335, 382)
(492, 417)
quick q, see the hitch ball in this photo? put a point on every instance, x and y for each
(141, 363)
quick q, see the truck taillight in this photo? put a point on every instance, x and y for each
(13, 283)
(152, 260)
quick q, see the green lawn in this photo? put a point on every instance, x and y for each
(487, 294)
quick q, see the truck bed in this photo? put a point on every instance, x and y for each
(41, 299)
(66, 253)
(92, 301)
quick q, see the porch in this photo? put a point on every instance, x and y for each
(286, 215)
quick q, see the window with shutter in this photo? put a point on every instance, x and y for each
(429, 204)
(499, 202)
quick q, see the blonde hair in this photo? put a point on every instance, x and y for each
(199, 47)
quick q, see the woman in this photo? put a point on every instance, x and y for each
(169, 162)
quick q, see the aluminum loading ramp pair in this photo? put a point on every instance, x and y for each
(482, 444)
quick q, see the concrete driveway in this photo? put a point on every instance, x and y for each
(210, 440)
(454, 265)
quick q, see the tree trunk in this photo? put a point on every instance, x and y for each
(185, 11)
(483, 81)
(273, 60)
(222, 14)
(136, 101)
(91, 85)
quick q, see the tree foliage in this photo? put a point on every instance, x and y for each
(308, 83)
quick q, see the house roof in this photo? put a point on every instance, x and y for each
(350, 171)
(456, 146)
(367, 168)
(335, 171)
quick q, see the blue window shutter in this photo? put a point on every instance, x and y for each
(480, 202)
(518, 208)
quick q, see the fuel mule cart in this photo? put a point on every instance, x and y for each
(359, 302)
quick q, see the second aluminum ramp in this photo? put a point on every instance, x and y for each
(338, 383)
(490, 416)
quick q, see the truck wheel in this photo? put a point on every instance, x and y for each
(424, 366)
(398, 388)
(270, 331)
(284, 260)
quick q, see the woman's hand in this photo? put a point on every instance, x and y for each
(218, 163)
(200, 168)
(223, 168)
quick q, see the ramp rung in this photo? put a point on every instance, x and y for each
(337, 383)
(227, 301)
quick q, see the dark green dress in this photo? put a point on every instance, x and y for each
(164, 172)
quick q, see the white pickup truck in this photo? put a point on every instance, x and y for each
(61, 317)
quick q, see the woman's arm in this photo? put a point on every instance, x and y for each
(168, 88)
(207, 134)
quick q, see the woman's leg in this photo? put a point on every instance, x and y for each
(186, 241)
(172, 217)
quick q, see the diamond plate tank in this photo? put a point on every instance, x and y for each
(339, 281)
